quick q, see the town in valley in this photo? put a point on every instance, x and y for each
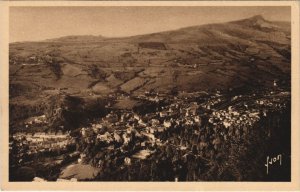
(202, 103)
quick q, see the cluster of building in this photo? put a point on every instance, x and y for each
(126, 137)
(176, 141)
(271, 103)
(36, 121)
(233, 122)
(39, 143)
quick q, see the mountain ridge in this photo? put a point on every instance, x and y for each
(211, 56)
(256, 19)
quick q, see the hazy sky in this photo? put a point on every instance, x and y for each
(39, 23)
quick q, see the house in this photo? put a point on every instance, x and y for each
(154, 122)
(136, 116)
(163, 114)
(226, 124)
(142, 123)
(197, 119)
(105, 137)
(167, 124)
(127, 161)
(38, 179)
(117, 137)
(126, 138)
(149, 135)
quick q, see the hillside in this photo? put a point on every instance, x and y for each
(247, 53)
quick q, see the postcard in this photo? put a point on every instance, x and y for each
(150, 95)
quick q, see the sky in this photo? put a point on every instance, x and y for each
(40, 23)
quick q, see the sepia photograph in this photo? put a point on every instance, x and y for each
(150, 93)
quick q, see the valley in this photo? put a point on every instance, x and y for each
(190, 104)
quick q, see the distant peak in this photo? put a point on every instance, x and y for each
(257, 17)
(256, 20)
